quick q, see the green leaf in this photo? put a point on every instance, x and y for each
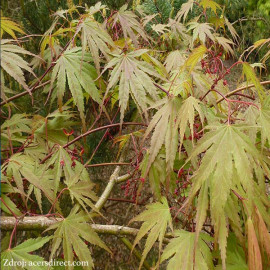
(10, 27)
(129, 24)
(264, 121)
(154, 225)
(12, 63)
(49, 129)
(134, 79)
(11, 205)
(201, 31)
(187, 112)
(96, 38)
(231, 29)
(74, 69)
(225, 43)
(174, 114)
(174, 60)
(210, 4)
(181, 249)
(195, 56)
(21, 166)
(235, 255)
(185, 9)
(230, 160)
(72, 232)
(15, 129)
(83, 192)
(254, 254)
(21, 254)
(249, 72)
(157, 173)
(75, 176)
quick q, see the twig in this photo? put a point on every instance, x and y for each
(240, 89)
(92, 131)
(162, 89)
(108, 164)
(125, 201)
(250, 19)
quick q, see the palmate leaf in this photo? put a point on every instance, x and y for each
(157, 173)
(72, 232)
(155, 219)
(185, 9)
(195, 56)
(51, 128)
(96, 38)
(201, 31)
(74, 70)
(21, 255)
(179, 31)
(174, 114)
(231, 29)
(181, 249)
(235, 255)
(15, 128)
(225, 43)
(254, 254)
(76, 178)
(130, 25)
(10, 27)
(12, 63)
(251, 77)
(174, 60)
(21, 166)
(264, 121)
(230, 160)
(210, 4)
(180, 83)
(134, 79)
(5, 189)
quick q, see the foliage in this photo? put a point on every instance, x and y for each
(152, 76)
(70, 232)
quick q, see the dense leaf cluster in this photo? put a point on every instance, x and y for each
(154, 76)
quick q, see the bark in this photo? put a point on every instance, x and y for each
(40, 223)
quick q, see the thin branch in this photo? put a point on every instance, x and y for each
(108, 164)
(244, 95)
(162, 89)
(240, 89)
(25, 92)
(92, 131)
(250, 19)
(125, 201)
